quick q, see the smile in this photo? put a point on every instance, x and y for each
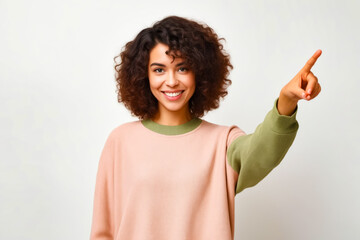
(173, 95)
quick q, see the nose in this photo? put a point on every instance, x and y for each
(171, 80)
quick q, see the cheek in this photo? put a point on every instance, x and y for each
(192, 83)
(154, 83)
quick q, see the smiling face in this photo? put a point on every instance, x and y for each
(172, 83)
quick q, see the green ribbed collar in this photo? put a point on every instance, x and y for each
(172, 130)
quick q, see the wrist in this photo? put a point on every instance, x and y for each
(286, 105)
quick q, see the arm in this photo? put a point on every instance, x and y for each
(102, 223)
(253, 156)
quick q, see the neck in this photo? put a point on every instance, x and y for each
(172, 118)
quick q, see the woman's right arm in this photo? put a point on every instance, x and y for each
(103, 221)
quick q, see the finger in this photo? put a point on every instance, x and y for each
(299, 93)
(316, 91)
(311, 82)
(310, 63)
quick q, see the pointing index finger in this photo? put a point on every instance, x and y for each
(310, 63)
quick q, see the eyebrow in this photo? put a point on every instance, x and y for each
(162, 65)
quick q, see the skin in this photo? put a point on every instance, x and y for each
(168, 74)
(304, 85)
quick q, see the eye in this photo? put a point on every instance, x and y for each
(158, 70)
(183, 69)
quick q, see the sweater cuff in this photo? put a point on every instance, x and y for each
(282, 123)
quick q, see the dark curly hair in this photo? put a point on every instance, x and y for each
(197, 44)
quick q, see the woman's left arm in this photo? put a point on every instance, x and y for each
(253, 156)
(304, 85)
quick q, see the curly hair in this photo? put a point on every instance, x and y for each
(197, 44)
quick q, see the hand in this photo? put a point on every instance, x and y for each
(304, 85)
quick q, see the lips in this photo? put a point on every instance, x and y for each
(172, 95)
(172, 91)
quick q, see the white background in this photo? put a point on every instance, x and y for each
(58, 105)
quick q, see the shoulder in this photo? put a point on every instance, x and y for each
(230, 132)
(124, 129)
(212, 127)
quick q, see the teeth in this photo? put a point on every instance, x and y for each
(173, 94)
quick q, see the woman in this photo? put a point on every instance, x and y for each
(171, 174)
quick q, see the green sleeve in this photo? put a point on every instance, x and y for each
(253, 156)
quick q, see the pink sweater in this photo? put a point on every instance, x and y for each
(179, 182)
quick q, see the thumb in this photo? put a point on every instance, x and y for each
(300, 93)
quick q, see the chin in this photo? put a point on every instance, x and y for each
(173, 109)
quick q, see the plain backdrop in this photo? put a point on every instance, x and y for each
(58, 105)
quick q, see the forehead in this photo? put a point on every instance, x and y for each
(158, 54)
